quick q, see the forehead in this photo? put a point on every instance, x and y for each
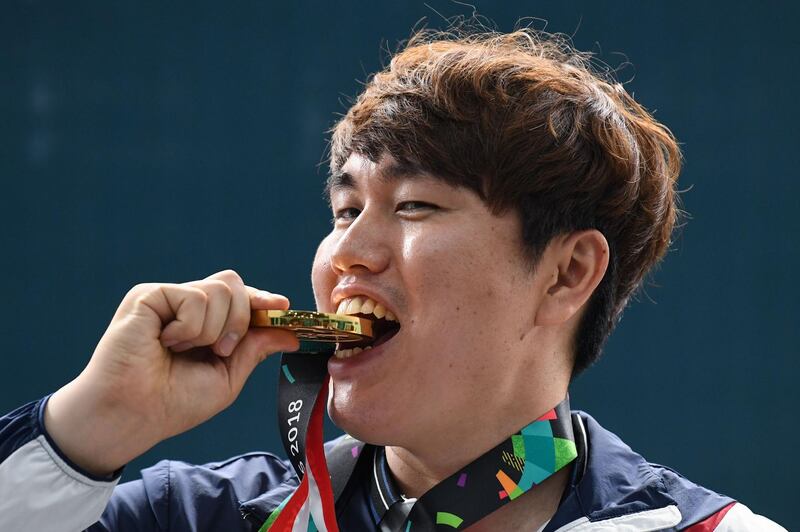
(358, 169)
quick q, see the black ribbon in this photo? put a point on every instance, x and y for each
(302, 375)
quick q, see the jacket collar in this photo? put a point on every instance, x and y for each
(615, 483)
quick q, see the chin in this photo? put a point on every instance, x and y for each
(370, 421)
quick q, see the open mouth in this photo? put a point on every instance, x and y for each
(384, 325)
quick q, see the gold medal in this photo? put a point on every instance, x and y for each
(315, 326)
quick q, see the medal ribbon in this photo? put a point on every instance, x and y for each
(499, 476)
(302, 400)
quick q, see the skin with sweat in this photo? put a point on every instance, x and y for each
(484, 344)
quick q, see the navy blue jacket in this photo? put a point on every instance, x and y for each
(613, 487)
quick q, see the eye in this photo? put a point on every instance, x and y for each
(414, 206)
(346, 214)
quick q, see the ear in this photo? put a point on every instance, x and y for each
(575, 265)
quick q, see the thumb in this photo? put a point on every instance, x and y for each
(254, 348)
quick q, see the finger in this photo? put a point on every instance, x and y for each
(263, 300)
(183, 307)
(237, 322)
(217, 310)
(254, 348)
(238, 318)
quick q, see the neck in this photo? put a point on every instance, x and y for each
(418, 466)
(483, 420)
(416, 473)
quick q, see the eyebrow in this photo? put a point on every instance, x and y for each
(395, 171)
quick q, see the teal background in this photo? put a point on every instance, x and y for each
(166, 141)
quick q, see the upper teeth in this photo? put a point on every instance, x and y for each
(364, 305)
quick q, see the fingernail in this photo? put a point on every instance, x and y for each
(183, 346)
(169, 343)
(228, 343)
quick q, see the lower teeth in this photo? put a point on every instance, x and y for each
(347, 353)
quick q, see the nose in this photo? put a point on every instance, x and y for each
(363, 245)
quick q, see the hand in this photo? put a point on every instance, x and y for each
(173, 356)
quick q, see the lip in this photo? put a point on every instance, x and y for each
(356, 289)
(360, 365)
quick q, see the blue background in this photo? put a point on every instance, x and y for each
(165, 141)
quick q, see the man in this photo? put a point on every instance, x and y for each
(500, 202)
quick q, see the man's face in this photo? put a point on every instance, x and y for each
(455, 277)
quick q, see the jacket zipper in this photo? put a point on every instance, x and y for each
(251, 515)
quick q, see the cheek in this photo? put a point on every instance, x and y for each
(468, 288)
(447, 286)
(449, 265)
